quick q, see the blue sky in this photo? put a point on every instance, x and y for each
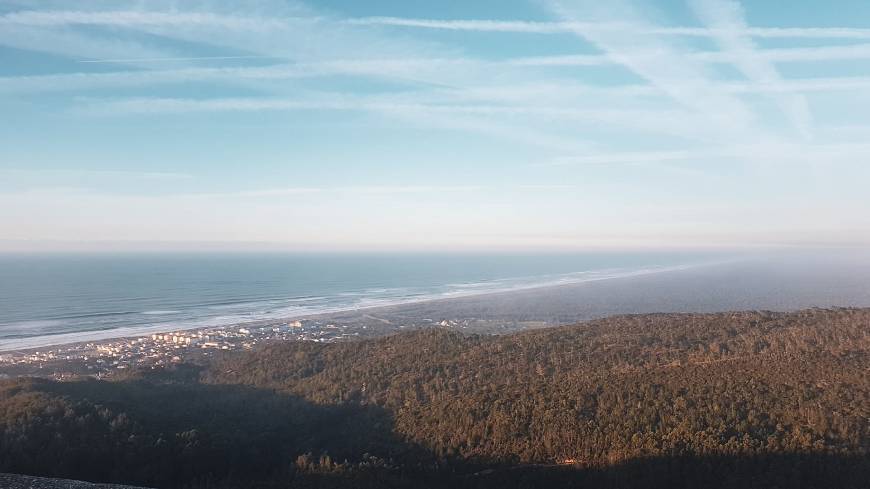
(381, 125)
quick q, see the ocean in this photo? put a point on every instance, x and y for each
(48, 299)
(57, 298)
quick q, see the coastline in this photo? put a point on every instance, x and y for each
(28, 344)
(745, 285)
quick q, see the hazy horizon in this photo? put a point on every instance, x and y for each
(217, 247)
(525, 125)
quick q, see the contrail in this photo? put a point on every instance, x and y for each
(561, 27)
(194, 58)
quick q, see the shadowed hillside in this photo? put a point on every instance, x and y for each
(748, 399)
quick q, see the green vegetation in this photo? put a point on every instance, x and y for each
(748, 399)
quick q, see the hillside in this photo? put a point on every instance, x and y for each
(750, 399)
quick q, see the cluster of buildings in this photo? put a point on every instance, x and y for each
(102, 358)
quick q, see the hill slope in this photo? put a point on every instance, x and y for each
(602, 391)
(748, 399)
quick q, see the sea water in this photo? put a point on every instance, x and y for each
(81, 296)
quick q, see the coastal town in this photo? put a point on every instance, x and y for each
(107, 358)
(103, 358)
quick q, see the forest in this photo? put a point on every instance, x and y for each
(728, 400)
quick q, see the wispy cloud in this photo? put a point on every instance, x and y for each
(91, 80)
(353, 189)
(661, 63)
(143, 175)
(494, 25)
(476, 25)
(140, 18)
(137, 18)
(177, 58)
(301, 191)
(792, 54)
(673, 115)
(74, 45)
(402, 70)
(772, 152)
(672, 122)
(469, 99)
(773, 55)
(623, 158)
(727, 22)
(269, 28)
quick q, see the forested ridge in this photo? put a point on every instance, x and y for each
(748, 399)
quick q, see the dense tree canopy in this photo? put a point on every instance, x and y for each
(751, 399)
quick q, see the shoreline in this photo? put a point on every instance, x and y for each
(35, 343)
(735, 285)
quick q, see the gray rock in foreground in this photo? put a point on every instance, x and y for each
(13, 481)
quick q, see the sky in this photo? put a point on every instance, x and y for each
(449, 125)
